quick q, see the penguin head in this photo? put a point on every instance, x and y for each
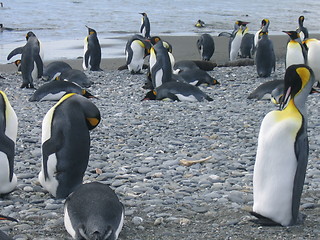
(264, 22)
(154, 40)
(301, 20)
(296, 80)
(87, 94)
(199, 24)
(91, 31)
(30, 34)
(294, 35)
(151, 95)
(143, 14)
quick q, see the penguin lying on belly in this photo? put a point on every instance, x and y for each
(177, 91)
(93, 211)
(66, 143)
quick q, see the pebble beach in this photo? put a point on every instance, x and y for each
(137, 148)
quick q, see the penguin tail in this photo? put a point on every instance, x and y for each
(205, 65)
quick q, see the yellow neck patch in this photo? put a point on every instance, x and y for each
(304, 74)
(291, 111)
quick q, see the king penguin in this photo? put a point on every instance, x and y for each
(66, 143)
(137, 48)
(92, 51)
(205, 45)
(295, 51)
(93, 211)
(282, 153)
(160, 65)
(302, 30)
(313, 60)
(265, 58)
(31, 61)
(177, 91)
(8, 135)
(264, 22)
(54, 69)
(145, 26)
(235, 39)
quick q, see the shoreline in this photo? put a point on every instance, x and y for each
(184, 48)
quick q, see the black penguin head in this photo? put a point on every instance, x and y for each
(2, 217)
(292, 34)
(87, 94)
(301, 20)
(30, 34)
(297, 76)
(143, 14)
(91, 31)
(151, 95)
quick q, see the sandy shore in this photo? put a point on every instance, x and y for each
(184, 48)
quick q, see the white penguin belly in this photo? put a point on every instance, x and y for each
(6, 186)
(189, 98)
(294, 55)
(137, 57)
(158, 76)
(67, 223)
(53, 96)
(51, 183)
(34, 73)
(235, 47)
(275, 169)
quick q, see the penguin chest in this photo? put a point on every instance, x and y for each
(137, 56)
(294, 54)
(314, 60)
(235, 46)
(275, 166)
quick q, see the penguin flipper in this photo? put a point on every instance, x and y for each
(49, 147)
(301, 150)
(39, 64)
(86, 58)
(7, 147)
(14, 52)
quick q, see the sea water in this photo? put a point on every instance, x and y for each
(60, 24)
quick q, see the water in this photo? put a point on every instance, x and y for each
(60, 24)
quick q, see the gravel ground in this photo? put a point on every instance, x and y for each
(137, 147)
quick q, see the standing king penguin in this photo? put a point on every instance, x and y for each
(265, 58)
(66, 143)
(295, 51)
(282, 153)
(313, 60)
(8, 135)
(92, 51)
(160, 65)
(93, 211)
(205, 45)
(145, 26)
(137, 48)
(31, 62)
(302, 30)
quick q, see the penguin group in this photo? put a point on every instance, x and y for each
(93, 210)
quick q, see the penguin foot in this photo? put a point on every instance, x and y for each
(263, 221)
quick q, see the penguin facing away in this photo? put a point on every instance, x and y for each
(66, 143)
(282, 153)
(205, 45)
(8, 135)
(145, 26)
(265, 58)
(295, 51)
(31, 62)
(54, 69)
(92, 51)
(93, 211)
(302, 30)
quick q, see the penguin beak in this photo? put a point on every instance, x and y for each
(285, 100)
(2, 217)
